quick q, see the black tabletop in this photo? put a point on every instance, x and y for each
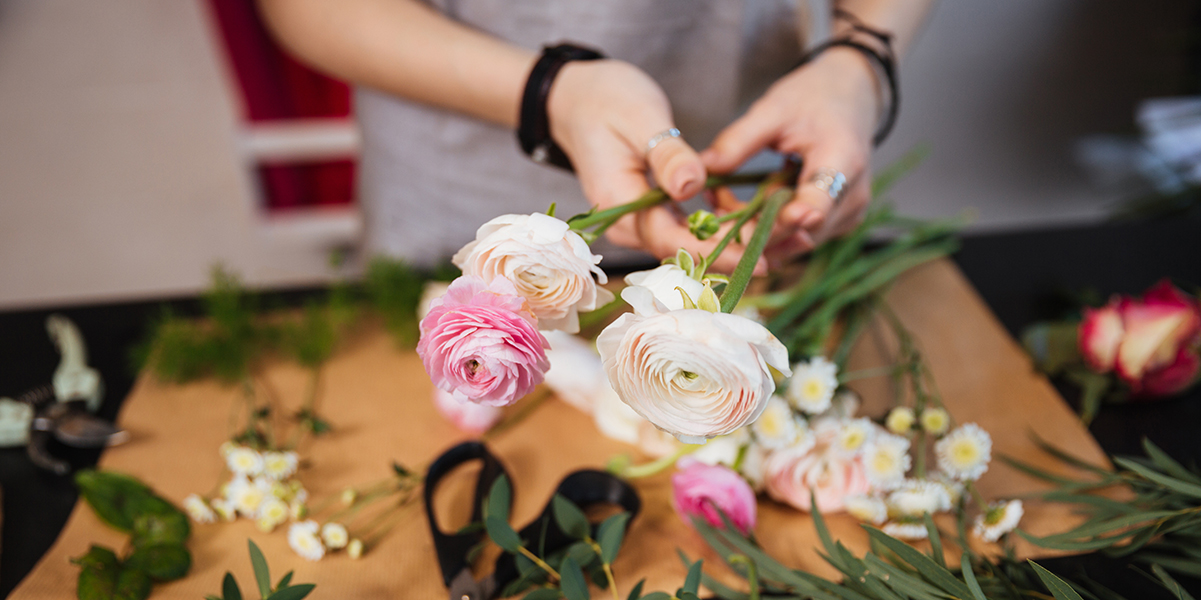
(1020, 275)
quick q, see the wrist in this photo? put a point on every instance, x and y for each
(534, 128)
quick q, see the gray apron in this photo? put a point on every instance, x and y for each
(430, 177)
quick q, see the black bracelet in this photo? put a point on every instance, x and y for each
(885, 63)
(533, 132)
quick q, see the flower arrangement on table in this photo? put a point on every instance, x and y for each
(754, 405)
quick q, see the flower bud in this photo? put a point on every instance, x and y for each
(703, 224)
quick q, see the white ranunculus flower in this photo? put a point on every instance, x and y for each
(550, 265)
(692, 373)
(663, 280)
(576, 374)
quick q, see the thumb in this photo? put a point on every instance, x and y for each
(677, 168)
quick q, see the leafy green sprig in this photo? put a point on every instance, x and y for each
(157, 532)
(284, 590)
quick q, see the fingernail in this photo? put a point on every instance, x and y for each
(686, 184)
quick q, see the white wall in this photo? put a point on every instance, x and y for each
(119, 175)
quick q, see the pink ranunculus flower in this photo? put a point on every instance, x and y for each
(703, 490)
(550, 265)
(1151, 342)
(467, 416)
(480, 342)
(828, 475)
(692, 373)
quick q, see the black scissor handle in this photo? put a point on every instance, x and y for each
(452, 549)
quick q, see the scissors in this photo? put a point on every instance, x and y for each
(585, 488)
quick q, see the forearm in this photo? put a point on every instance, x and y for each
(903, 18)
(407, 49)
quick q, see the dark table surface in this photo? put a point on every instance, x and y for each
(1019, 275)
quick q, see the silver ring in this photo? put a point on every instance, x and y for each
(659, 137)
(829, 181)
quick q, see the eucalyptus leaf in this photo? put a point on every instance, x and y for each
(610, 535)
(502, 533)
(570, 518)
(657, 596)
(500, 499)
(295, 592)
(284, 581)
(230, 589)
(636, 592)
(1171, 584)
(572, 582)
(692, 582)
(262, 573)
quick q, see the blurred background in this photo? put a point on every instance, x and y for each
(142, 141)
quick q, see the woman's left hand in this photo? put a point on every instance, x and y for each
(825, 112)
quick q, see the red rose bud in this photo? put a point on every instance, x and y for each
(1100, 334)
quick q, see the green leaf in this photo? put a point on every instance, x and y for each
(610, 535)
(708, 300)
(262, 573)
(685, 262)
(499, 499)
(502, 533)
(163, 524)
(230, 589)
(109, 495)
(571, 581)
(570, 518)
(1058, 587)
(1172, 585)
(284, 581)
(132, 584)
(969, 577)
(929, 569)
(543, 594)
(935, 538)
(692, 583)
(98, 578)
(1167, 464)
(1186, 566)
(582, 553)
(657, 596)
(164, 562)
(636, 593)
(295, 592)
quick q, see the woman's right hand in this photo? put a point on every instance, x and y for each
(602, 114)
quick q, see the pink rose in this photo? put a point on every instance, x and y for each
(1150, 342)
(829, 475)
(467, 416)
(704, 490)
(480, 342)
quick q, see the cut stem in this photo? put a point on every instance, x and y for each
(754, 249)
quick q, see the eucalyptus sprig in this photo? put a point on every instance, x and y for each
(284, 590)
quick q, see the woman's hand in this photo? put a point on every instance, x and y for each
(602, 114)
(825, 112)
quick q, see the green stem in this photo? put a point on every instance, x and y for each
(741, 277)
(920, 468)
(752, 574)
(307, 409)
(538, 561)
(660, 464)
(608, 568)
(976, 495)
(655, 197)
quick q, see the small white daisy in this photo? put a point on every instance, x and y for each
(355, 548)
(907, 531)
(935, 421)
(900, 420)
(954, 488)
(198, 509)
(916, 497)
(244, 461)
(334, 535)
(226, 447)
(1000, 518)
(776, 428)
(298, 510)
(844, 405)
(812, 385)
(886, 460)
(853, 435)
(964, 453)
(273, 510)
(224, 509)
(721, 450)
(245, 496)
(349, 496)
(870, 509)
(754, 466)
(280, 465)
(302, 537)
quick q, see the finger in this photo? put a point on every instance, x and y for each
(664, 233)
(610, 176)
(849, 212)
(676, 167)
(723, 200)
(741, 139)
(814, 198)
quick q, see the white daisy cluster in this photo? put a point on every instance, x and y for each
(261, 488)
(809, 444)
(312, 541)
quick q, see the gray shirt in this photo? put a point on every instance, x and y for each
(429, 177)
